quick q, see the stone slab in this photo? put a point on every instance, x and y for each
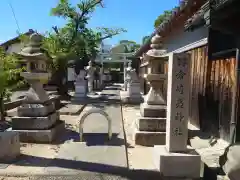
(10, 146)
(89, 158)
(151, 124)
(41, 136)
(185, 165)
(147, 110)
(146, 138)
(71, 109)
(33, 111)
(34, 123)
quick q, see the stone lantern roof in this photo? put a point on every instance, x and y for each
(156, 45)
(33, 50)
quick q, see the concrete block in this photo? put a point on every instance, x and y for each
(147, 110)
(146, 138)
(10, 146)
(181, 165)
(34, 123)
(41, 136)
(151, 124)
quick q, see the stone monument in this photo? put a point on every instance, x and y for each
(151, 125)
(132, 95)
(176, 159)
(80, 85)
(37, 119)
(127, 75)
(90, 76)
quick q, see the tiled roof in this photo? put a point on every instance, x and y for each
(16, 39)
(176, 12)
(199, 18)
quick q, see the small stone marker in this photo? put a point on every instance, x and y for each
(178, 102)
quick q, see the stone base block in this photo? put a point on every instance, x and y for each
(147, 110)
(33, 111)
(41, 136)
(10, 146)
(146, 138)
(151, 124)
(180, 165)
(35, 123)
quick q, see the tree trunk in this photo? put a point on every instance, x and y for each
(62, 88)
(2, 110)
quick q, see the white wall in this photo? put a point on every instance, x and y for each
(15, 48)
(181, 38)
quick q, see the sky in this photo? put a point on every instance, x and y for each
(136, 16)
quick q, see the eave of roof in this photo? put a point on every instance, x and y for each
(16, 39)
(183, 7)
(199, 19)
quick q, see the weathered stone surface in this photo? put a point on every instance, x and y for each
(36, 123)
(147, 138)
(71, 109)
(41, 136)
(178, 102)
(181, 165)
(134, 99)
(134, 89)
(10, 146)
(151, 124)
(147, 110)
(35, 111)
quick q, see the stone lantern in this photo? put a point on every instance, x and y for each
(152, 125)
(37, 119)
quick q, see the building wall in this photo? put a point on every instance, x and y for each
(14, 48)
(182, 38)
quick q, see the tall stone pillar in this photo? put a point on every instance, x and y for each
(176, 159)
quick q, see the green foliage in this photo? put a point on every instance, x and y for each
(145, 39)
(9, 78)
(74, 39)
(9, 73)
(132, 46)
(161, 18)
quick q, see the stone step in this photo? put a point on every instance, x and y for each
(34, 123)
(41, 136)
(151, 124)
(10, 146)
(147, 110)
(147, 138)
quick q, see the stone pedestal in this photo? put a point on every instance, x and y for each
(37, 114)
(150, 129)
(187, 164)
(80, 90)
(10, 146)
(176, 159)
(132, 95)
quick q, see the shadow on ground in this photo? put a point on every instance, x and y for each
(26, 160)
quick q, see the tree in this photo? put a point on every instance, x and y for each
(9, 78)
(161, 18)
(75, 40)
(145, 39)
(132, 46)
